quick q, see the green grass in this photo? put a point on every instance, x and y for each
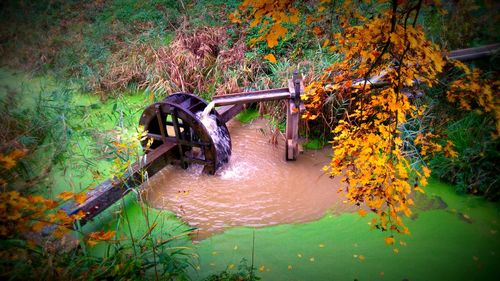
(248, 115)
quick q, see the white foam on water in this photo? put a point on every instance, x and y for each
(236, 171)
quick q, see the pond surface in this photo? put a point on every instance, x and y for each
(289, 218)
(256, 188)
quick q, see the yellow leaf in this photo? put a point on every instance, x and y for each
(270, 58)
(427, 171)
(290, 267)
(396, 250)
(91, 243)
(361, 258)
(7, 162)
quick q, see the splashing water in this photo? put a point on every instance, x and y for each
(219, 134)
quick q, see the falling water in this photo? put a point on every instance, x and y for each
(219, 134)
(207, 109)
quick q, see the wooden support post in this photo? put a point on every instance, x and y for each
(292, 130)
(293, 109)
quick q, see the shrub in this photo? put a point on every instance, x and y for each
(476, 169)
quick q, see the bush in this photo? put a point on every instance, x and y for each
(476, 169)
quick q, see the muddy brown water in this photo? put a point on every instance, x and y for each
(256, 188)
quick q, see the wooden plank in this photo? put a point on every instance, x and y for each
(474, 53)
(250, 97)
(110, 191)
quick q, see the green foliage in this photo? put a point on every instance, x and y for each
(476, 169)
(314, 143)
(478, 18)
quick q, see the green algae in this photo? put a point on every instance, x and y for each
(441, 247)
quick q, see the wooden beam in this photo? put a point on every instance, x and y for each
(474, 53)
(227, 112)
(250, 97)
(110, 191)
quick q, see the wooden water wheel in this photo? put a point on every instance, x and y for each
(176, 120)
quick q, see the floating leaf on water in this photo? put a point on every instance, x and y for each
(290, 267)
(299, 255)
(321, 245)
(231, 266)
(362, 212)
(382, 273)
(214, 253)
(312, 259)
(389, 240)
(395, 250)
(361, 258)
(262, 268)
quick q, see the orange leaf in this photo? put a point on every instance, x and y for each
(317, 30)
(270, 58)
(389, 240)
(362, 212)
(80, 198)
(65, 195)
(101, 235)
(326, 43)
(50, 204)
